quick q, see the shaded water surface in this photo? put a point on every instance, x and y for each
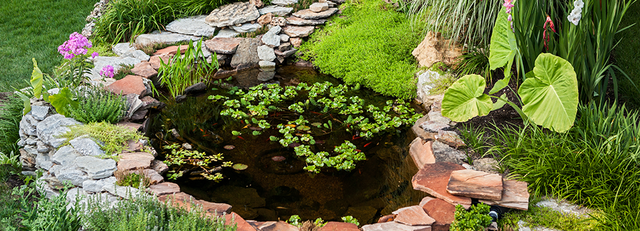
(274, 186)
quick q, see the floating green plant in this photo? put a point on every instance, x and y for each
(336, 108)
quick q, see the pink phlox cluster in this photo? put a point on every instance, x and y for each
(94, 55)
(107, 71)
(76, 45)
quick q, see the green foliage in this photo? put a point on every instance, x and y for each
(134, 179)
(72, 72)
(36, 212)
(147, 213)
(98, 105)
(594, 164)
(260, 101)
(504, 50)
(550, 95)
(370, 45)
(184, 71)
(295, 220)
(549, 218)
(36, 79)
(477, 219)
(183, 161)
(125, 19)
(587, 45)
(10, 164)
(63, 101)
(34, 29)
(350, 219)
(10, 116)
(465, 99)
(626, 57)
(467, 21)
(475, 61)
(113, 137)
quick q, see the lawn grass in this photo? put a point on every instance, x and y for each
(626, 56)
(35, 29)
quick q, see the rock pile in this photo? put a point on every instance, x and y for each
(449, 181)
(81, 161)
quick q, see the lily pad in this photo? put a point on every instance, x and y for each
(240, 167)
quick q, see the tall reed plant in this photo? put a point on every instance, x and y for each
(466, 21)
(125, 19)
(183, 71)
(586, 41)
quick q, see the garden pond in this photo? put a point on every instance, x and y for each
(267, 180)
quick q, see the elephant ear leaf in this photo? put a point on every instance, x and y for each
(550, 95)
(503, 49)
(465, 99)
(62, 101)
(36, 79)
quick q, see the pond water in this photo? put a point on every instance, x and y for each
(275, 185)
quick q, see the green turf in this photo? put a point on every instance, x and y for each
(35, 29)
(626, 55)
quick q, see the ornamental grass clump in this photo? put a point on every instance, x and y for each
(186, 70)
(596, 163)
(98, 105)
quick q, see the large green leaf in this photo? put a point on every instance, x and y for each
(550, 96)
(465, 99)
(36, 79)
(62, 101)
(503, 49)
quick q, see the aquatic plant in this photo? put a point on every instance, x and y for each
(184, 161)
(186, 70)
(329, 103)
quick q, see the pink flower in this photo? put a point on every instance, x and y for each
(546, 38)
(76, 45)
(508, 4)
(94, 55)
(107, 71)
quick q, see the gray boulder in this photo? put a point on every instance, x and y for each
(232, 14)
(265, 53)
(227, 33)
(73, 175)
(271, 38)
(96, 168)
(247, 27)
(163, 37)
(86, 146)
(276, 10)
(284, 2)
(39, 112)
(246, 53)
(52, 127)
(65, 156)
(194, 25)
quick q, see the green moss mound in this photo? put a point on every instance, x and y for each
(369, 43)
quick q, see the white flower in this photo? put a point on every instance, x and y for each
(578, 4)
(576, 11)
(574, 18)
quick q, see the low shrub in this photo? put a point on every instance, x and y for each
(131, 178)
(98, 105)
(36, 212)
(146, 213)
(370, 44)
(113, 137)
(476, 219)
